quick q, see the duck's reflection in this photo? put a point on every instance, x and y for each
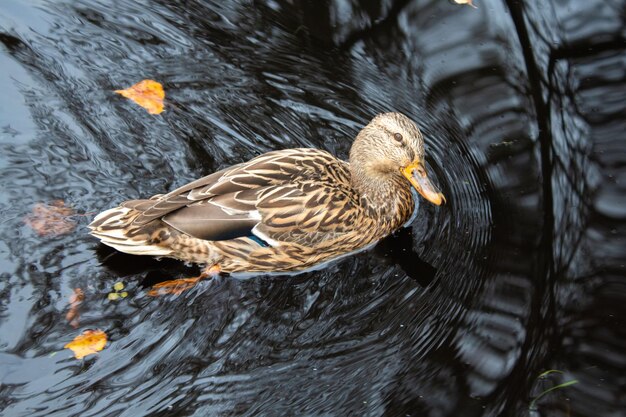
(398, 249)
(155, 270)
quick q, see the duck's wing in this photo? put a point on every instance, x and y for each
(305, 213)
(271, 194)
(272, 168)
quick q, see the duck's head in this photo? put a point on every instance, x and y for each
(388, 148)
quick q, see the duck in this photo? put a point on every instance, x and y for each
(285, 211)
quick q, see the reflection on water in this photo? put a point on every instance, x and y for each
(520, 272)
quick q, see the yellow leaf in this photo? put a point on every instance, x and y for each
(113, 296)
(90, 341)
(119, 286)
(124, 294)
(468, 2)
(148, 94)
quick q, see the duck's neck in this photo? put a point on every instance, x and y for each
(385, 195)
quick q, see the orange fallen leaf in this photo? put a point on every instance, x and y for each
(175, 286)
(76, 299)
(51, 219)
(90, 341)
(148, 94)
(468, 2)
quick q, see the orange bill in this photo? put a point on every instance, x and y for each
(416, 174)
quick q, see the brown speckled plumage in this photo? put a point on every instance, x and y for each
(282, 211)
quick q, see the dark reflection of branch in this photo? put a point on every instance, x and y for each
(583, 49)
(377, 26)
(545, 262)
(588, 47)
(316, 20)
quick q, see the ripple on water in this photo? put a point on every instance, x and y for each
(454, 313)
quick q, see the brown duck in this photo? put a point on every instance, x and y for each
(283, 211)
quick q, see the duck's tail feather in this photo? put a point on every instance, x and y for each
(114, 227)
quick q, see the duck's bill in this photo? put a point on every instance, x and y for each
(417, 176)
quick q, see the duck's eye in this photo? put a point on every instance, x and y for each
(398, 137)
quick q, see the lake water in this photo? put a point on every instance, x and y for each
(523, 105)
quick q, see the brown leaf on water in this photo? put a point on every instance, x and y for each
(73, 315)
(467, 2)
(175, 286)
(90, 341)
(51, 219)
(148, 94)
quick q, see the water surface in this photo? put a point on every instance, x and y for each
(522, 106)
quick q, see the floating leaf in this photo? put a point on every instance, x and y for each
(76, 299)
(175, 286)
(90, 341)
(51, 219)
(116, 294)
(467, 2)
(148, 94)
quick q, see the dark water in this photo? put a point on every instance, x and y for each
(524, 109)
